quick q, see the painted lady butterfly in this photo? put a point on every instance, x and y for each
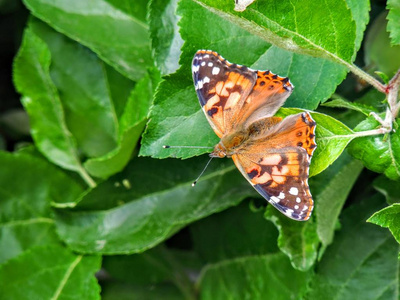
(272, 154)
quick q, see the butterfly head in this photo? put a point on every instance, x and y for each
(219, 151)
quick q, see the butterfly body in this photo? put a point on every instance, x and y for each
(272, 154)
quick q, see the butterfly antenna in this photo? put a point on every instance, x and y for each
(194, 182)
(192, 147)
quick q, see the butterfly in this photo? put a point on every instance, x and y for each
(274, 155)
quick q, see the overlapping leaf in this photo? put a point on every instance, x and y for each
(154, 270)
(394, 21)
(299, 241)
(119, 38)
(388, 218)
(253, 277)
(389, 188)
(83, 86)
(115, 290)
(379, 53)
(378, 153)
(323, 29)
(93, 106)
(330, 191)
(360, 12)
(42, 102)
(147, 203)
(368, 264)
(216, 238)
(132, 123)
(164, 32)
(65, 274)
(28, 186)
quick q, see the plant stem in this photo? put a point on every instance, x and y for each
(368, 78)
(393, 93)
(86, 177)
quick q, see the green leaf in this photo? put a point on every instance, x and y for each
(131, 127)
(393, 21)
(84, 91)
(341, 103)
(176, 120)
(383, 76)
(153, 268)
(25, 215)
(138, 8)
(379, 53)
(120, 88)
(147, 203)
(41, 101)
(360, 12)
(50, 272)
(388, 218)
(361, 263)
(118, 291)
(322, 29)
(216, 238)
(149, 267)
(388, 188)
(119, 38)
(164, 32)
(253, 277)
(298, 240)
(386, 149)
(335, 183)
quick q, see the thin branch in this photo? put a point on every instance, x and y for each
(393, 93)
(85, 176)
(365, 76)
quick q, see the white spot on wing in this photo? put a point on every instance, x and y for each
(206, 80)
(199, 85)
(215, 70)
(289, 212)
(298, 200)
(275, 199)
(195, 68)
(203, 63)
(296, 207)
(281, 195)
(210, 64)
(293, 191)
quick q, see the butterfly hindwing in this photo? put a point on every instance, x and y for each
(281, 178)
(277, 165)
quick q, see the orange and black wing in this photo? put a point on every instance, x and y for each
(221, 87)
(234, 96)
(277, 165)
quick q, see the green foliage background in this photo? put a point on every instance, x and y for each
(92, 206)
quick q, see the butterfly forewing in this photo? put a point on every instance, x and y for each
(221, 87)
